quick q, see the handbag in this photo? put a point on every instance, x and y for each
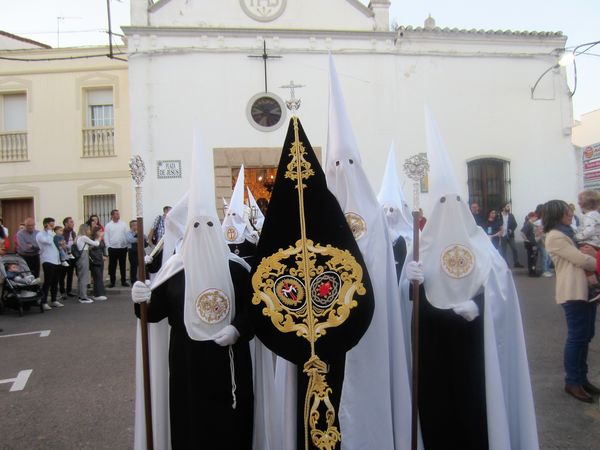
(76, 252)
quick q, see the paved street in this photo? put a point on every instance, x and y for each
(80, 393)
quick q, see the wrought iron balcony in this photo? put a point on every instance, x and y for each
(13, 146)
(98, 142)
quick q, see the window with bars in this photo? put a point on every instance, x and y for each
(100, 205)
(489, 183)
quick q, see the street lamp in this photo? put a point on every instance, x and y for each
(566, 59)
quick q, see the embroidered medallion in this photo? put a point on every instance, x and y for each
(457, 261)
(325, 289)
(231, 234)
(290, 292)
(212, 306)
(356, 224)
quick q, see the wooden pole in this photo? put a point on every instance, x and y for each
(138, 172)
(144, 335)
(416, 168)
(415, 340)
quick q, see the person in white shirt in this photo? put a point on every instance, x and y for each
(115, 238)
(50, 260)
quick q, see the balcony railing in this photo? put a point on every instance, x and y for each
(98, 142)
(13, 146)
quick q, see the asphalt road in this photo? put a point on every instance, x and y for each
(80, 393)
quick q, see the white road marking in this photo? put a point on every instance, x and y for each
(43, 333)
(19, 382)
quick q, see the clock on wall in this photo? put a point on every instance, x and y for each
(265, 111)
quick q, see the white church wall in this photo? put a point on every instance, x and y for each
(477, 85)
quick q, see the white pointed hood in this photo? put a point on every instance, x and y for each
(254, 209)
(376, 386)
(234, 224)
(209, 294)
(456, 253)
(175, 226)
(391, 198)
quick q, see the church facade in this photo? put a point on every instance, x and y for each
(220, 67)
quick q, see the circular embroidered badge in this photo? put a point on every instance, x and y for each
(290, 292)
(324, 289)
(457, 261)
(212, 306)
(356, 224)
(231, 234)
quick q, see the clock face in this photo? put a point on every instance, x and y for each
(265, 112)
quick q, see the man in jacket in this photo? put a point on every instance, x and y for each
(509, 224)
(28, 247)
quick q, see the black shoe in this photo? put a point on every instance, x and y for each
(125, 284)
(111, 285)
(70, 294)
(590, 388)
(518, 265)
(576, 391)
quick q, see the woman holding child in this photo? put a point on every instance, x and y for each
(572, 294)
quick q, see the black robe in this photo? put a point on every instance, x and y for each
(200, 397)
(452, 397)
(399, 248)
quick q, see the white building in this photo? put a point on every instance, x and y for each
(190, 64)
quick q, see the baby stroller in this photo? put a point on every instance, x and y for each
(15, 295)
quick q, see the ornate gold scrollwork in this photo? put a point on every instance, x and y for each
(306, 289)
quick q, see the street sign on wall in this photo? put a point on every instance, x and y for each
(168, 169)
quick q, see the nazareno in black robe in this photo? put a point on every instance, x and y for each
(452, 396)
(200, 397)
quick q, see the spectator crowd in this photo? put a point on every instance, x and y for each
(61, 252)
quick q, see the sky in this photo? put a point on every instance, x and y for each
(84, 22)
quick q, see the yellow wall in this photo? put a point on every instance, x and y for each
(56, 174)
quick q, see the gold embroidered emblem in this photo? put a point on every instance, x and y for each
(357, 225)
(280, 283)
(212, 306)
(231, 234)
(290, 292)
(457, 261)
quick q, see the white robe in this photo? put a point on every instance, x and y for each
(511, 417)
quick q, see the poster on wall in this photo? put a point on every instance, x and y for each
(591, 166)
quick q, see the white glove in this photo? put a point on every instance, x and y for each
(467, 310)
(140, 292)
(148, 259)
(414, 271)
(227, 336)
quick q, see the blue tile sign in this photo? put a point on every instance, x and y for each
(168, 169)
